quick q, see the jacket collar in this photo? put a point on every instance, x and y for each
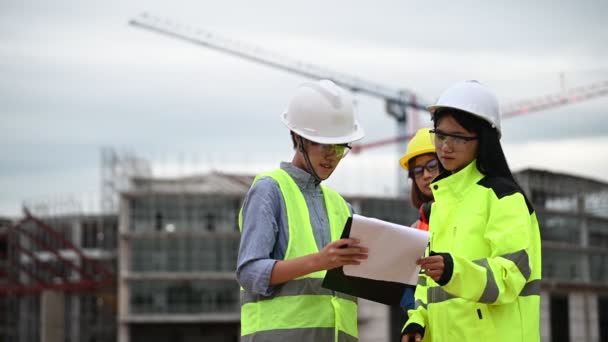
(457, 184)
(305, 181)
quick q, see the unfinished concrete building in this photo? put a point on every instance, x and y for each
(573, 218)
(177, 247)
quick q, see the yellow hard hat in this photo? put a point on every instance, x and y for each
(421, 143)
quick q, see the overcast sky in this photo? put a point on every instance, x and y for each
(75, 77)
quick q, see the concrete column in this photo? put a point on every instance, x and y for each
(583, 317)
(74, 303)
(124, 257)
(587, 301)
(593, 316)
(545, 316)
(25, 311)
(123, 332)
(74, 328)
(52, 316)
(585, 263)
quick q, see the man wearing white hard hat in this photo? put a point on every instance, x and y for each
(291, 226)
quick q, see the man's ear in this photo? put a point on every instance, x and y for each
(299, 141)
(295, 140)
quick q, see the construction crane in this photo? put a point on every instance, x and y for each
(399, 103)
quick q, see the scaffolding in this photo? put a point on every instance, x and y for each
(54, 270)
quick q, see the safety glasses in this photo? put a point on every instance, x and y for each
(339, 150)
(431, 166)
(442, 138)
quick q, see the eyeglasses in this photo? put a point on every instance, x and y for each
(339, 150)
(442, 138)
(431, 166)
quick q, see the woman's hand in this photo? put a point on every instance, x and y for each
(433, 266)
(412, 337)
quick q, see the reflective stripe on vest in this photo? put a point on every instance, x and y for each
(301, 308)
(306, 286)
(297, 335)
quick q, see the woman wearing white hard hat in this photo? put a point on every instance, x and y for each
(291, 227)
(482, 275)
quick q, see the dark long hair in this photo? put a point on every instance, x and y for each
(491, 159)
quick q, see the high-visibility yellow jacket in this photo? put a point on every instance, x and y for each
(300, 309)
(490, 230)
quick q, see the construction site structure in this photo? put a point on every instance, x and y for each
(58, 263)
(58, 278)
(116, 170)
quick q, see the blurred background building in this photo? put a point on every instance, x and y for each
(162, 267)
(58, 278)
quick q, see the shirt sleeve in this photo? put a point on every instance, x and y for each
(260, 213)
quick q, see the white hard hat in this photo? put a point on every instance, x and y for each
(322, 112)
(471, 97)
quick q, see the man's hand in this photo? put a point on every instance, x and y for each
(341, 252)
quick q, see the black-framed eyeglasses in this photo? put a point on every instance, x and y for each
(441, 138)
(431, 166)
(339, 150)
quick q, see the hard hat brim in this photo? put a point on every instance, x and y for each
(405, 160)
(433, 109)
(358, 134)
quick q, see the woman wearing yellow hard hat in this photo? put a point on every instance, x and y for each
(420, 160)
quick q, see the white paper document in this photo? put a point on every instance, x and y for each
(393, 250)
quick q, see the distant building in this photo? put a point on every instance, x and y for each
(178, 245)
(573, 218)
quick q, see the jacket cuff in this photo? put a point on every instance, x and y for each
(413, 328)
(448, 268)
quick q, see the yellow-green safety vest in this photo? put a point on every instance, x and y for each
(491, 231)
(300, 309)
